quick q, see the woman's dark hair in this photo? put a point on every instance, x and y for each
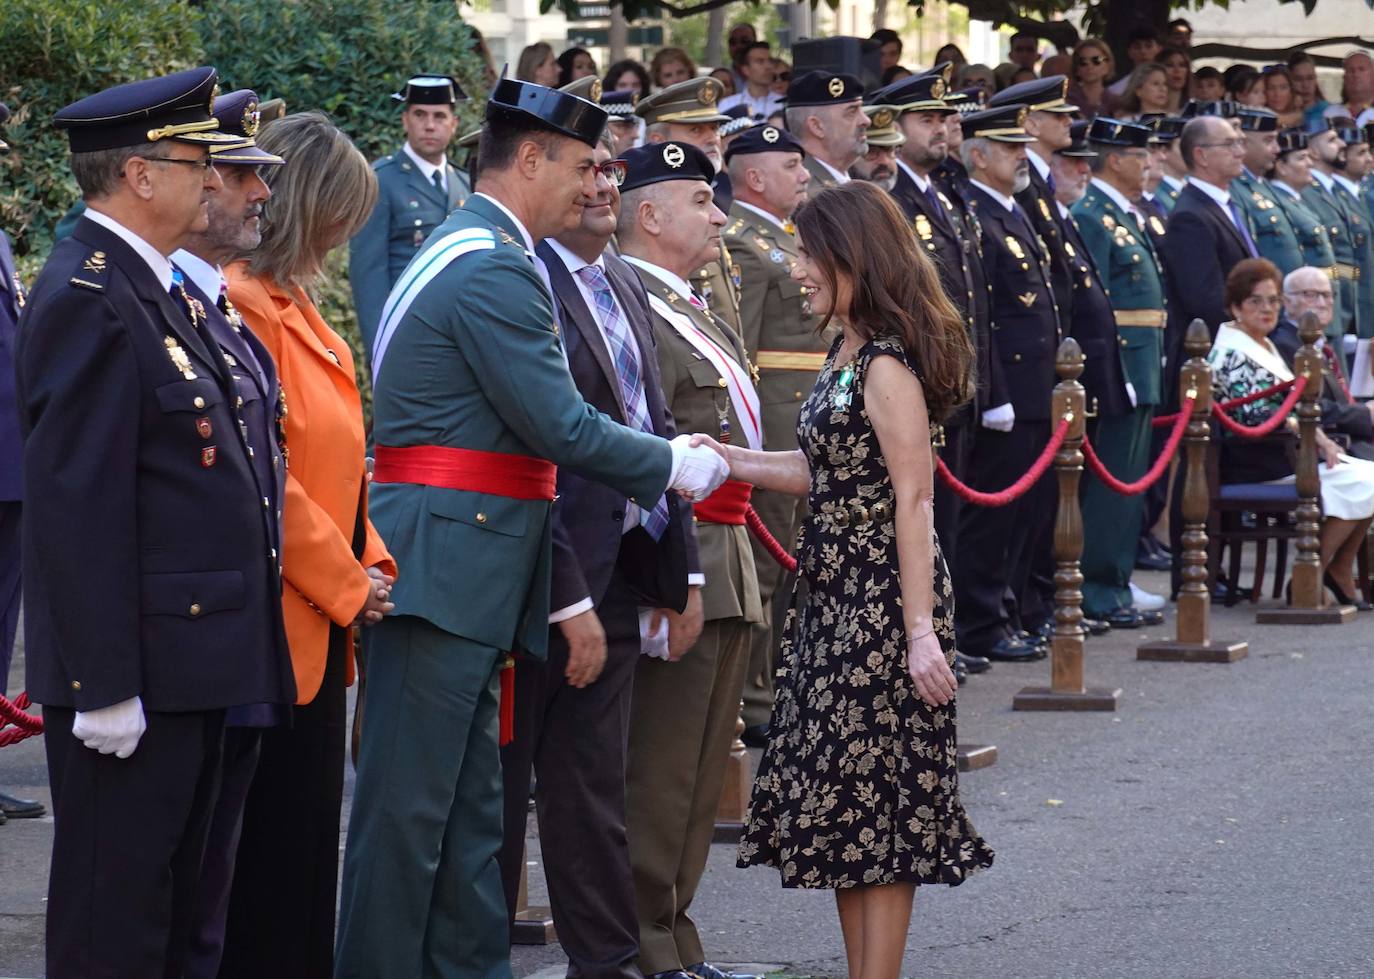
(614, 72)
(894, 73)
(1238, 79)
(858, 232)
(565, 64)
(1248, 273)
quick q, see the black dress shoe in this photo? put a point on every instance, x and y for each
(15, 808)
(973, 664)
(1148, 561)
(960, 674)
(1123, 618)
(1096, 627)
(755, 736)
(1010, 650)
(1032, 638)
(705, 970)
(1149, 616)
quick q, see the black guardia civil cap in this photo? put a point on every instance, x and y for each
(653, 163)
(1369, 133)
(763, 139)
(431, 90)
(1347, 130)
(1003, 124)
(239, 116)
(175, 107)
(822, 88)
(1321, 124)
(1164, 127)
(1048, 94)
(917, 93)
(1221, 108)
(1078, 147)
(1292, 140)
(565, 114)
(1115, 132)
(1255, 119)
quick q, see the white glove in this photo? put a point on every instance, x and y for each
(696, 471)
(1130, 393)
(1000, 419)
(112, 730)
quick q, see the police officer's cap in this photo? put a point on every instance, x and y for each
(175, 107)
(695, 100)
(917, 93)
(1117, 133)
(740, 120)
(1254, 119)
(270, 111)
(1078, 147)
(1164, 128)
(1048, 94)
(654, 163)
(620, 104)
(1292, 140)
(822, 88)
(431, 90)
(967, 100)
(1369, 133)
(565, 114)
(1221, 108)
(882, 125)
(763, 139)
(239, 115)
(1003, 124)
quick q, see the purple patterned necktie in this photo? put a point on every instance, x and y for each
(625, 357)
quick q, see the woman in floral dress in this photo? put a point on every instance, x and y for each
(858, 789)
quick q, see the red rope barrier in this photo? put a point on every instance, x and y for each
(1164, 421)
(25, 725)
(1016, 489)
(769, 542)
(1160, 467)
(1274, 420)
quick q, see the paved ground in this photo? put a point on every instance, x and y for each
(1219, 823)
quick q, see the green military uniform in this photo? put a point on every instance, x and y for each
(1167, 195)
(1313, 239)
(1275, 237)
(780, 335)
(409, 207)
(1123, 250)
(1360, 231)
(683, 714)
(821, 177)
(474, 362)
(1332, 214)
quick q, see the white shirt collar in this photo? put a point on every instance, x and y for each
(1008, 202)
(1286, 189)
(841, 177)
(772, 218)
(519, 225)
(157, 261)
(1063, 211)
(574, 263)
(1114, 195)
(1172, 181)
(1348, 184)
(922, 183)
(208, 278)
(1219, 194)
(678, 283)
(1041, 167)
(426, 168)
(1322, 178)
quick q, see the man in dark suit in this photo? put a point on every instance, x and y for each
(997, 541)
(610, 557)
(1309, 289)
(152, 584)
(11, 484)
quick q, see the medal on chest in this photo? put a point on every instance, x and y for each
(844, 388)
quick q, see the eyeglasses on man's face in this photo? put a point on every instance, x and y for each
(205, 163)
(1312, 295)
(614, 171)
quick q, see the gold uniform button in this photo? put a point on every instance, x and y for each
(76, 684)
(1015, 356)
(195, 608)
(481, 518)
(272, 553)
(199, 402)
(266, 504)
(721, 382)
(238, 402)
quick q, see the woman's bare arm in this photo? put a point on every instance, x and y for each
(782, 472)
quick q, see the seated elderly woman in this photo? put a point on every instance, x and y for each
(1244, 360)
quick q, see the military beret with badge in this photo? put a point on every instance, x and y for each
(815, 88)
(763, 139)
(656, 163)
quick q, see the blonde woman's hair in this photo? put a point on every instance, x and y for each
(320, 198)
(531, 57)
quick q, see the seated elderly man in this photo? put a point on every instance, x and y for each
(1308, 289)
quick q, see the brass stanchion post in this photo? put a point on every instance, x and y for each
(1194, 643)
(1066, 690)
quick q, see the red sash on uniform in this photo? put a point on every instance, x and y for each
(495, 473)
(727, 505)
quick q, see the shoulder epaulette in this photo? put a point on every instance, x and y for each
(736, 226)
(385, 161)
(93, 270)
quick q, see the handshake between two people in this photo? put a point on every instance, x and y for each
(699, 466)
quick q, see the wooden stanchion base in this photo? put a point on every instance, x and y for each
(1046, 698)
(976, 756)
(727, 832)
(1331, 615)
(1168, 651)
(533, 926)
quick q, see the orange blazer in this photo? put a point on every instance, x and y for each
(325, 475)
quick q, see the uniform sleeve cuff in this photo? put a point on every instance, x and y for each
(567, 612)
(696, 578)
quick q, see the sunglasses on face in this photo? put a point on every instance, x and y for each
(1091, 59)
(614, 171)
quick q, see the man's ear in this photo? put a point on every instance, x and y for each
(529, 156)
(138, 177)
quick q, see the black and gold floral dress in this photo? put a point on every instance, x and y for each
(859, 783)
